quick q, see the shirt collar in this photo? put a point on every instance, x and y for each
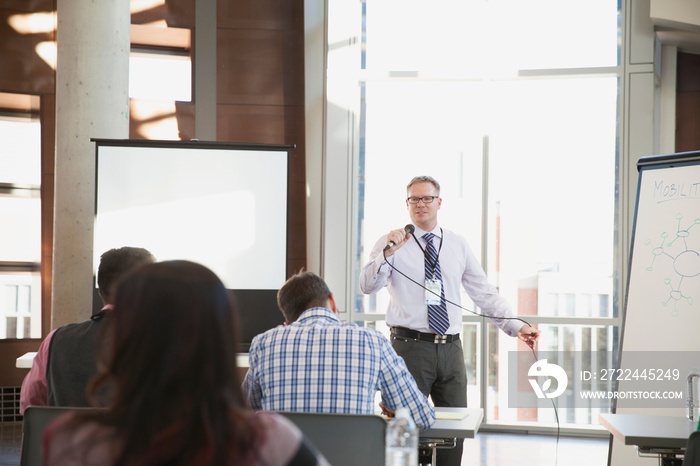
(317, 313)
(99, 315)
(436, 231)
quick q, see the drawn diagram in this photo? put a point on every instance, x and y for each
(685, 263)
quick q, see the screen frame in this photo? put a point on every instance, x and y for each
(245, 301)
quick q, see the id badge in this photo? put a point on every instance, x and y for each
(433, 291)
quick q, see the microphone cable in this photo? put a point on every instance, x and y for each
(447, 300)
(556, 415)
(532, 346)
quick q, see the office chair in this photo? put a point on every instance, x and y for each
(344, 439)
(692, 450)
(35, 420)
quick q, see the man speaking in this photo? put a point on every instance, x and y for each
(423, 271)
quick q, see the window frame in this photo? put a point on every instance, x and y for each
(339, 79)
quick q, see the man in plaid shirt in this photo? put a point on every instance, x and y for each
(316, 363)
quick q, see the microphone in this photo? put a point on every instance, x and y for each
(408, 229)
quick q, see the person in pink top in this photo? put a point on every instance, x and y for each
(167, 376)
(65, 361)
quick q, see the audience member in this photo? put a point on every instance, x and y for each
(167, 372)
(317, 363)
(65, 361)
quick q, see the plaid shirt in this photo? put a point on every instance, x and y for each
(319, 364)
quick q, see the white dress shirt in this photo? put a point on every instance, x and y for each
(458, 265)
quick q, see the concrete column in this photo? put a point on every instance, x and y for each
(92, 101)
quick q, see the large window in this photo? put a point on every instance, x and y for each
(20, 235)
(513, 107)
(159, 75)
(158, 80)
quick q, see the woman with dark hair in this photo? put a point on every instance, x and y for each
(167, 374)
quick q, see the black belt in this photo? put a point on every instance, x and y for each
(416, 335)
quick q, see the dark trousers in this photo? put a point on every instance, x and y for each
(440, 372)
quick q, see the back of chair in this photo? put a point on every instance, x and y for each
(35, 420)
(692, 450)
(344, 439)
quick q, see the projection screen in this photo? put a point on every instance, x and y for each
(222, 205)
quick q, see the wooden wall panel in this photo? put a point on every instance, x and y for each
(48, 149)
(27, 5)
(269, 124)
(21, 68)
(257, 67)
(262, 14)
(10, 350)
(688, 102)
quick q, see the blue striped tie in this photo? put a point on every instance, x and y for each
(438, 320)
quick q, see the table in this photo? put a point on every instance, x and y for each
(443, 432)
(665, 436)
(25, 361)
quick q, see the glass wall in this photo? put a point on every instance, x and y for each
(513, 107)
(20, 235)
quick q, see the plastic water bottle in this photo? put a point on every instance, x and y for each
(402, 440)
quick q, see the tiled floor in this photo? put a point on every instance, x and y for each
(487, 449)
(493, 449)
(10, 443)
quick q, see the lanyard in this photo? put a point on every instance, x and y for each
(437, 256)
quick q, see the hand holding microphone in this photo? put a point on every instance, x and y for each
(398, 238)
(529, 335)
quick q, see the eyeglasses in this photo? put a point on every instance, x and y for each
(425, 199)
